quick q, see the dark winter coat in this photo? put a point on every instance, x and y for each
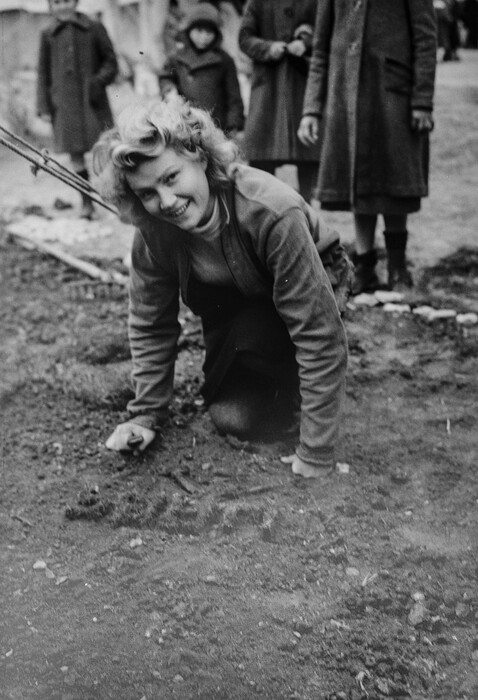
(208, 79)
(373, 61)
(76, 62)
(277, 87)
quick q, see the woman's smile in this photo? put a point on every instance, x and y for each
(173, 187)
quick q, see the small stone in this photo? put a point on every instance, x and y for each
(391, 308)
(383, 296)
(365, 300)
(382, 686)
(417, 614)
(136, 542)
(64, 669)
(352, 571)
(441, 315)
(343, 467)
(178, 678)
(211, 580)
(469, 319)
(423, 311)
(418, 596)
(49, 573)
(39, 565)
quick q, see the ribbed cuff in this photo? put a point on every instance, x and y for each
(146, 420)
(323, 457)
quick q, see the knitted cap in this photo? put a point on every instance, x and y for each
(203, 14)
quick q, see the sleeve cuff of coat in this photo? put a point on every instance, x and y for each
(323, 457)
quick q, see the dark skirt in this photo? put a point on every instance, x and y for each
(242, 335)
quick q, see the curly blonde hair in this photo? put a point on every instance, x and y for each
(144, 130)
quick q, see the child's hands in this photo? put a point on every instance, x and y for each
(130, 436)
(308, 132)
(422, 120)
(277, 50)
(296, 48)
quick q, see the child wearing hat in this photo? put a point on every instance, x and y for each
(203, 73)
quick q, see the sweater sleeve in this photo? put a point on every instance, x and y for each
(153, 332)
(424, 39)
(305, 301)
(250, 41)
(316, 88)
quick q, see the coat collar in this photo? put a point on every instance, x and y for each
(79, 20)
(194, 59)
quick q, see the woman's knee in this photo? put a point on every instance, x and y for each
(232, 417)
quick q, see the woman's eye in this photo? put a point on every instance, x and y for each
(171, 178)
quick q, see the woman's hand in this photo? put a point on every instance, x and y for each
(308, 132)
(277, 50)
(130, 436)
(422, 120)
(308, 471)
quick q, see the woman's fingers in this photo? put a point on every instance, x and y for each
(130, 436)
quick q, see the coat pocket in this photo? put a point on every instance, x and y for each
(398, 76)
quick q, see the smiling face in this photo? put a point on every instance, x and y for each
(173, 188)
(63, 9)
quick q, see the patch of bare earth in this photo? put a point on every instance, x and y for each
(203, 569)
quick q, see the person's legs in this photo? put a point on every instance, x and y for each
(78, 166)
(396, 236)
(307, 174)
(365, 278)
(259, 393)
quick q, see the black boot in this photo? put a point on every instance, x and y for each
(87, 210)
(399, 276)
(365, 278)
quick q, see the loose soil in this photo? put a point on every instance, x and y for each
(203, 569)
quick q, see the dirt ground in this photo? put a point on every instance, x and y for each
(205, 570)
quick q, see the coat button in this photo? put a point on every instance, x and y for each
(289, 12)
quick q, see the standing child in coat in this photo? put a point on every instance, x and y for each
(277, 36)
(204, 73)
(76, 63)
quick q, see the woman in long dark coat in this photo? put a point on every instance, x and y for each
(269, 35)
(370, 87)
